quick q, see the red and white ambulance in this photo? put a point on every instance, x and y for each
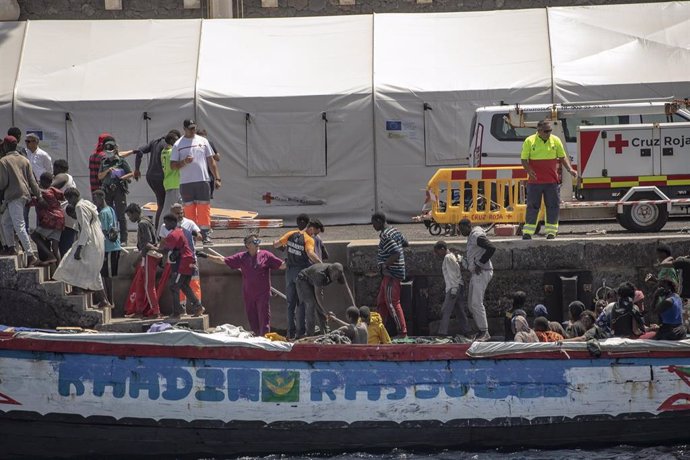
(633, 158)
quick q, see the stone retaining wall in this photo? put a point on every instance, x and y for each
(528, 266)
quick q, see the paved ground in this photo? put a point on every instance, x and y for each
(418, 232)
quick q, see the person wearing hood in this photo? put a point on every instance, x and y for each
(81, 265)
(522, 331)
(626, 318)
(377, 333)
(309, 280)
(95, 160)
(114, 175)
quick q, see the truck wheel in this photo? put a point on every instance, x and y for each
(643, 217)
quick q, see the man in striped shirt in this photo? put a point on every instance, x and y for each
(391, 262)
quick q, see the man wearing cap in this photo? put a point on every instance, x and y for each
(193, 156)
(17, 187)
(114, 175)
(256, 265)
(17, 134)
(309, 280)
(541, 155)
(154, 172)
(555, 326)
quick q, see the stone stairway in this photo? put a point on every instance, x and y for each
(29, 298)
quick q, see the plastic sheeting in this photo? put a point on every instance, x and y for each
(431, 71)
(104, 76)
(613, 345)
(171, 337)
(291, 113)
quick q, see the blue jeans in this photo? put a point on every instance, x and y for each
(13, 222)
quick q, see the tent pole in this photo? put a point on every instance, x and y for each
(146, 121)
(19, 69)
(373, 114)
(548, 34)
(196, 79)
(68, 118)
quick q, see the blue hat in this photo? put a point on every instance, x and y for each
(541, 310)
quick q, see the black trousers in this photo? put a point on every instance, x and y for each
(156, 184)
(117, 199)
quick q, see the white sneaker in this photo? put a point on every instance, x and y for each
(483, 337)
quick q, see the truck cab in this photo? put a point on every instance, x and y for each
(496, 140)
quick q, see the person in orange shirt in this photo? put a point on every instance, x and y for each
(300, 254)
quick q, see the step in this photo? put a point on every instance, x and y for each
(81, 301)
(55, 288)
(197, 323)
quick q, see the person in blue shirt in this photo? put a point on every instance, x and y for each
(111, 234)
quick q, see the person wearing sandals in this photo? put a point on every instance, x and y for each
(80, 266)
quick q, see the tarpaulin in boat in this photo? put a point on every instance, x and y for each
(612, 345)
(171, 337)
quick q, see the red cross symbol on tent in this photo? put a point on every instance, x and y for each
(618, 143)
(267, 197)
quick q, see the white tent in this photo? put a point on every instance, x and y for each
(11, 39)
(620, 51)
(288, 103)
(431, 71)
(81, 78)
(334, 116)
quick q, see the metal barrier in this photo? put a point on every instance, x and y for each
(483, 195)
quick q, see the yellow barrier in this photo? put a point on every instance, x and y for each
(483, 195)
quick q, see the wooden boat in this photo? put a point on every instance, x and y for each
(188, 394)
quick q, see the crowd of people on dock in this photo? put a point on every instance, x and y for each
(84, 238)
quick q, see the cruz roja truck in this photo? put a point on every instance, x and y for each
(633, 158)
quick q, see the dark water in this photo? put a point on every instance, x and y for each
(610, 453)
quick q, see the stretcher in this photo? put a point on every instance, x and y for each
(229, 219)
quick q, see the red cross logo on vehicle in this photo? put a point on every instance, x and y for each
(618, 143)
(267, 197)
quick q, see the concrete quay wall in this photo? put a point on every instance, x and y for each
(534, 267)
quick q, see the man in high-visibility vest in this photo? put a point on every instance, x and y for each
(541, 155)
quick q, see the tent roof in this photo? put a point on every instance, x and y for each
(109, 60)
(285, 57)
(448, 51)
(621, 44)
